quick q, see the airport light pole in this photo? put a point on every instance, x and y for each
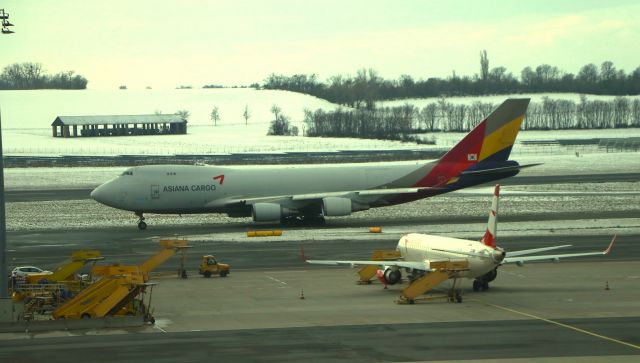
(4, 273)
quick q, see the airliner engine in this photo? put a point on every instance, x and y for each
(269, 212)
(389, 276)
(336, 206)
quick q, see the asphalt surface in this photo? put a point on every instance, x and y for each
(602, 334)
(358, 343)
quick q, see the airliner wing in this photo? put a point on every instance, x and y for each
(382, 264)
(498, 170)
(534, 250)
(318, 196)
(520, 260)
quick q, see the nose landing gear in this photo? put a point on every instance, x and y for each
(141, 224)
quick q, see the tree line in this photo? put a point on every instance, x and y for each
(405, 121)
(367, 87)
(28, 75)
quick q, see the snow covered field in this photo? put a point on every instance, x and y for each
(27, 116)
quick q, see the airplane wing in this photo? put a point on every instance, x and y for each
(382, 264)
(318, 196)
(534, 250)
(520, 260)
(498, 170)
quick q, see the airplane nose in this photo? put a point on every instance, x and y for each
(97, 194)
(103, 195)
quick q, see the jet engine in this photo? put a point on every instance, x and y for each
(389, 276)
(336, 206)
(269, 212)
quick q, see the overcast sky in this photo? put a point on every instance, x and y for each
(167, 43)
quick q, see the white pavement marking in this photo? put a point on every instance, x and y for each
(276, 280)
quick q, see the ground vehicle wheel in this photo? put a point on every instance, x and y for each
(458, 298)
(85, 316)
(142, 225)
(207, 274)
(224, 273)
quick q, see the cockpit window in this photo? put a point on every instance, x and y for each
(128, 172)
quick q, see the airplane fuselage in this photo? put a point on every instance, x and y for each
(206, 189)
(421, 247)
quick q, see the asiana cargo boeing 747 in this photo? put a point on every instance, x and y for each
(312, 192)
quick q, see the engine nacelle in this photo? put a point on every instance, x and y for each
(389, 276)
(336, 206)
(269, 212)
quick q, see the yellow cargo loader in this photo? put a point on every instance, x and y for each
(66, 272)
(117, 288)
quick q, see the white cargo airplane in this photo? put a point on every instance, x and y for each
(311, 192)
(419, 251)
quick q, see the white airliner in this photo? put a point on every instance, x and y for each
(311, 192)
(419, 251)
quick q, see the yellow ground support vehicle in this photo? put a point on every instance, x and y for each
(117, 288)
(210, 266)
(67, 270)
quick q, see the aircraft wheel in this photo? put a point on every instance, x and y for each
(458, 298)
(485, 286)
(142, 225)
(476, 285)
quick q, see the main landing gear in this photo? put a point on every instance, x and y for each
(303, 220)
(141, 224)
(479, 285)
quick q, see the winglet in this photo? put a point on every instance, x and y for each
(613, 241)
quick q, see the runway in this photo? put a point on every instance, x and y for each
(357, 343)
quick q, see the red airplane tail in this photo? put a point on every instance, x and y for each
(489, 237)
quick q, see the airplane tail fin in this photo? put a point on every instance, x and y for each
(489, 237)
(482, 155)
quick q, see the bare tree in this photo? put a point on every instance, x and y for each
(246, 114)
(184, 114)
(484, 65)
(215, 116)
(276, 111)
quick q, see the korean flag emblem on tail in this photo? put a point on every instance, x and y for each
(472, 157)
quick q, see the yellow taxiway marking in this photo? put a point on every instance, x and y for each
(563, 325)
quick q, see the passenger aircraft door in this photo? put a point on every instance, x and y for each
(155, 192)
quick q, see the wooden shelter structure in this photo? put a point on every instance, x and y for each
(118, 125)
